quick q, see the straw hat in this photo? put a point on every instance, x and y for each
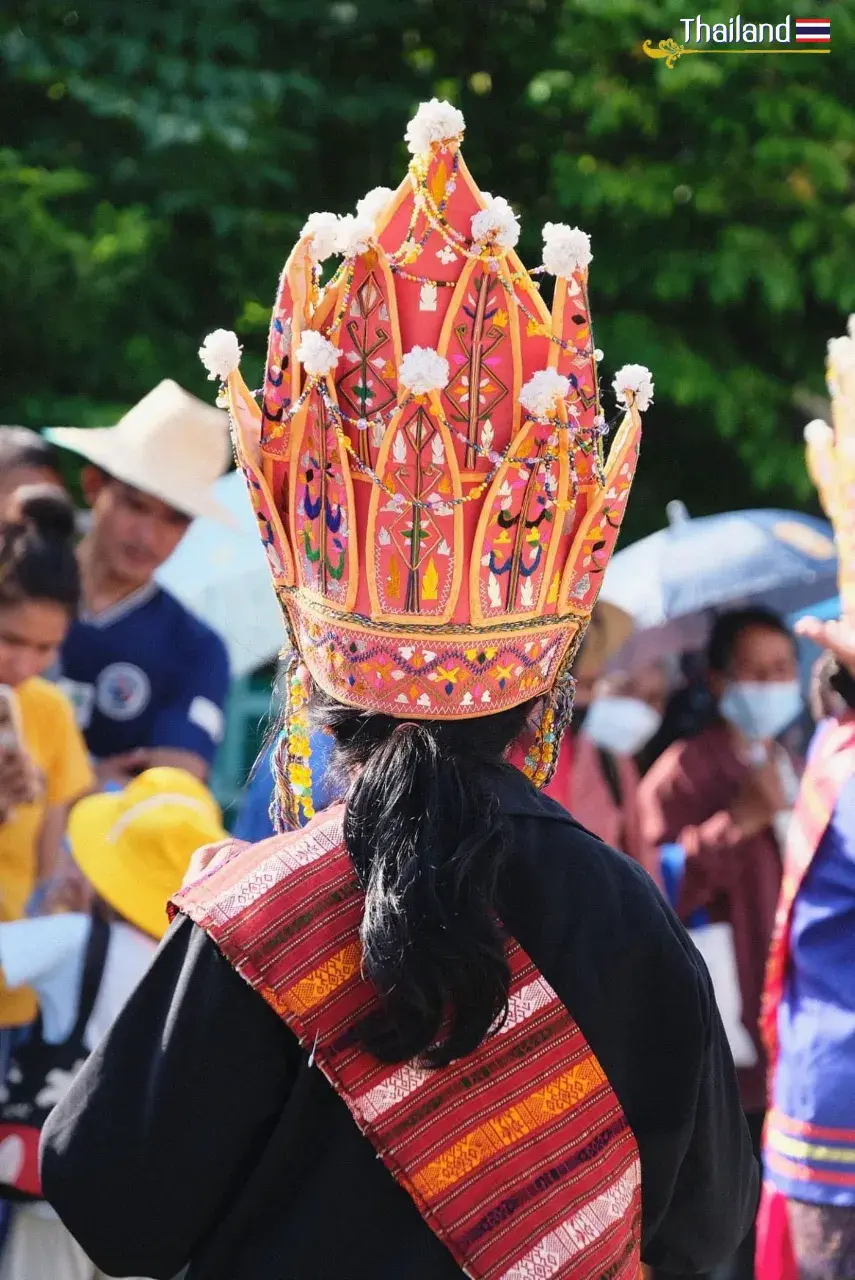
(170, 445)
(608, 631)
(134, 846)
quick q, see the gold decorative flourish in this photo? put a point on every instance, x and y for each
(667, 49)
(670, 50)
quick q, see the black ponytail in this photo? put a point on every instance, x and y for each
(427, 840)
(37, 560)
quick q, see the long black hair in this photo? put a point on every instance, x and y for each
(427, 840)
(37, 560)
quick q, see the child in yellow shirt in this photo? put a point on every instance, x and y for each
(39, 593)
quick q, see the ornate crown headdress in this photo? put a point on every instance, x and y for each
(831, 460)
(427, 462)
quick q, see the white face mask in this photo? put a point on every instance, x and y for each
(761, 711)
(621, 725)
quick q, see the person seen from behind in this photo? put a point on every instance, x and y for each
(725, 798)
(131, 849)
(442, 1015)
(148, 679)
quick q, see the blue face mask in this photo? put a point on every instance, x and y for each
(761, 711)
(621, 725)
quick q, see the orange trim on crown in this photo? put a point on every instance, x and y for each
(461, 572)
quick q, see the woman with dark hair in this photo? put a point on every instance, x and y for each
(44, 766)
(441, 1029)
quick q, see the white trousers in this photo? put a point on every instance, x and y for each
(41, 1248)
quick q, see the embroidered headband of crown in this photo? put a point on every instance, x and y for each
(831, 460)
(427, 462)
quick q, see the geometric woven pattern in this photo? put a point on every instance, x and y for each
(519, 1156)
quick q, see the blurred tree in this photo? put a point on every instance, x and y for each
(160, 159)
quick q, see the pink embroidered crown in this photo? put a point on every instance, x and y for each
(427, 462)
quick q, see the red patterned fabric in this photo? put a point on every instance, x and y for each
(519, 1157)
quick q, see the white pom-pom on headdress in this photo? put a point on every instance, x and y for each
(639, 380)
(841, 352)
(220, 353)
(565, 249)
(323, 228)
(422, 370)
(353, 235)
(818, 433)
(850, 326)
(373, 203)
(541, 391)
(434, 122)
(317, 354)
(497, 224)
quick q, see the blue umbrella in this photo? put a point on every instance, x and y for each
(675, 581)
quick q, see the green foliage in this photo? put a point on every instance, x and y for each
(160, 159)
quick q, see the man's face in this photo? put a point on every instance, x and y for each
(14, 478)
(132, 532)
(760, 656)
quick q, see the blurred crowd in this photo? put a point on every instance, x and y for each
(112, 708)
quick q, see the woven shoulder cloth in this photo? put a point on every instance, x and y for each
(519, 1157)
(831, 765)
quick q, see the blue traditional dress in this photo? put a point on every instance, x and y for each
(810, 1151)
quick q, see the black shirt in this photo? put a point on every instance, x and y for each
(199, 1133)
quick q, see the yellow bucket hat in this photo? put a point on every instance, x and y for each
(134, 846)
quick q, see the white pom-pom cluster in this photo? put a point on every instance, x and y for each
(542, 390)
(422, 370)
(850, 326)
(323, 229)
(639, 380)
(565, 249)
(497, 224)
(348, 235)
(353, 235)
(317, 354)
(841, 352)
(434, 122)
(373, 203)
(220, 353)
(818, 433)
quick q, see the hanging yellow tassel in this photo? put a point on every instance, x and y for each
(299, 743)
(292, 757)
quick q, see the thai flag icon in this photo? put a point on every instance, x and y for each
(813, 30)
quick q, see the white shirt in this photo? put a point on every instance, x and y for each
(48, 952)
